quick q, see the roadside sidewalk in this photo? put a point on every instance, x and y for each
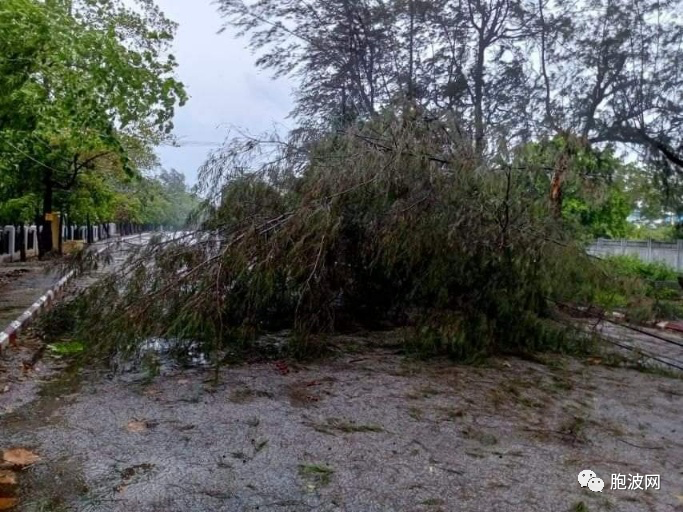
(20, 285)
(26, 289)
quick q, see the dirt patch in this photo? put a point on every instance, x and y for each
(385, 434)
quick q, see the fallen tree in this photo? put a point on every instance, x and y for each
(390, 223)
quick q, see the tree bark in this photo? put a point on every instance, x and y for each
(479, 99)
(411, 54)
(61, 228)
(556, 186)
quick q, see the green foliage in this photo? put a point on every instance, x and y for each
(67, 348)
(645, 292)
(163, 199)
(631, 266)
(85, 90)
(595, 200)
(604, 219)
(383, 225)
(663, 233)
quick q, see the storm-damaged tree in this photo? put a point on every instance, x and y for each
(356, 57)
(94, 76)
(608, 72)
(409, 233)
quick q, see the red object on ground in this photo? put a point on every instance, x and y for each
(675, 326)
(282, 367)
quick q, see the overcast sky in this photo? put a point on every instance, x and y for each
(226, 90)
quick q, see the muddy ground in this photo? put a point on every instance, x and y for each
(364, 431)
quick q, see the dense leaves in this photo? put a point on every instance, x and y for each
(389, 224)
(510, 71)
(86, 89)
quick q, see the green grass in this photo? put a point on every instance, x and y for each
(316, 473)
(67, 348)
(631, 266)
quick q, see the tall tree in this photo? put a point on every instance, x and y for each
(602, 71)
(96, 75)
(610, 73)
(341, 51)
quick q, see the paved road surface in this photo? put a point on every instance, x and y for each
(21, 284)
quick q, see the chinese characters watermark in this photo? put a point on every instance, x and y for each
(588, 478)
(635, 482)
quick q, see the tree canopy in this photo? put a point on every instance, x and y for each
(604, 70)
(86, 90)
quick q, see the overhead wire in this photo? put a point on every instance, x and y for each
(674, 363)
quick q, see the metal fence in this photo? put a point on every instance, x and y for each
(669, 253)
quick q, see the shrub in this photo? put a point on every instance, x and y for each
(631, 266)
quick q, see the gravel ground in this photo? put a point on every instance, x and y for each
(368, 431)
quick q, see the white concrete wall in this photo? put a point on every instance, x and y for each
(669, 253)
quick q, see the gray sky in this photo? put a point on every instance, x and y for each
(227, 92)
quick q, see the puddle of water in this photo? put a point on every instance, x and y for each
(52, 396)
(173, 354)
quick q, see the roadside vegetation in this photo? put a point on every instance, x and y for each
(393, 223)
(643, 292)
(87, 90)
(435, 184)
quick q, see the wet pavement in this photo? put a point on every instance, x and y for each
(21, 284)
(655, 347)
(368, 431)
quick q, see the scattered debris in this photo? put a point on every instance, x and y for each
(315, 475)
(282, 367)
(20, 457)
(8, 477)
(8, 503)
(138, 426)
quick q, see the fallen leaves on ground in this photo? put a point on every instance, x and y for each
(136, 426)
(282, 367)
(8, 503)
(8, 477)
(20, 457)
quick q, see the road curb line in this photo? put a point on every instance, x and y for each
(9, 335)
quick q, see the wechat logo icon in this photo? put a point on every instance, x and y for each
(588, 478)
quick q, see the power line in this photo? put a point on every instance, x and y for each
(192, 143)
(42, 164)
(606, 337)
